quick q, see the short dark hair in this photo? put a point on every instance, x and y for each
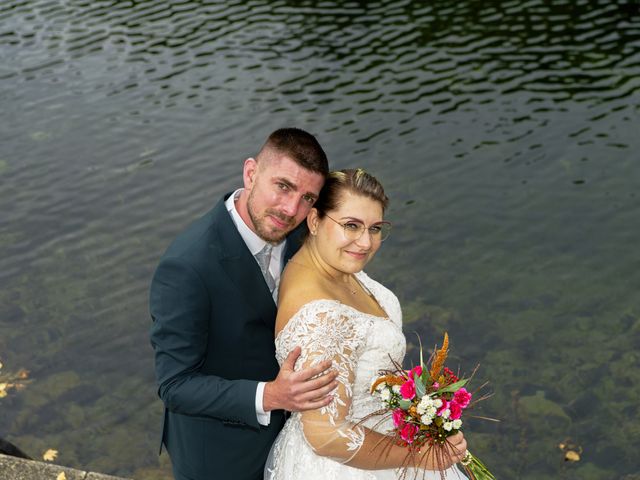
(354, 180)
(301, 147)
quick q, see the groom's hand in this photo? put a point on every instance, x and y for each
(306, 389)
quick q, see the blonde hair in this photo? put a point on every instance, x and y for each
(355, 180)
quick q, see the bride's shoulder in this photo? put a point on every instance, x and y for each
(298, 290)
(385, 296)
(373, 285)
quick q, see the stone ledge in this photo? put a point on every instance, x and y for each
(13, 468)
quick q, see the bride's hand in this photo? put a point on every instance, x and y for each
(299, 391)
(443, 457)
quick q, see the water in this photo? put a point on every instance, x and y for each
(503, 131)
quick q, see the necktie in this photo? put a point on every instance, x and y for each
(263, 257)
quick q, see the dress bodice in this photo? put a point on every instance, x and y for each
(360, 344)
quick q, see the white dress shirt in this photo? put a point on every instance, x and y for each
(255, 244)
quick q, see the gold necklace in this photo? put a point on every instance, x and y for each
(348, 287)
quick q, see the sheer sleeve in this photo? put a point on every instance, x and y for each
(329, 332)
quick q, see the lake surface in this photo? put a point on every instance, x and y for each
(506, 134)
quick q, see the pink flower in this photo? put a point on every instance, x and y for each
(408, 432)
(445, 405)
(415, 372)
(436, 385)
(456, 410)
(408, 389)
(462, 397)
(398, 418)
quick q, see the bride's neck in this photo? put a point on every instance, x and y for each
(310, 257)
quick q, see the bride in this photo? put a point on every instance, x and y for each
(328, 306)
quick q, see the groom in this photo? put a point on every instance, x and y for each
(213, 310)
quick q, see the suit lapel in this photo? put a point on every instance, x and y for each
(241, 266)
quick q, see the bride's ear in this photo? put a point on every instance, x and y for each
(312, 221)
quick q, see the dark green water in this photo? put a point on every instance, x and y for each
(506, 133)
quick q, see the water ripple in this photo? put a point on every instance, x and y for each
(505, 132)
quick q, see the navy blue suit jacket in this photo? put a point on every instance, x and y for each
(213, 337)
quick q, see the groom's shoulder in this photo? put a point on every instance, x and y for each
(199, 236)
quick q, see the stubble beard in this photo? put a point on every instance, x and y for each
(260, 223)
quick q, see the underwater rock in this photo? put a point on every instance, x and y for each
(539, 406)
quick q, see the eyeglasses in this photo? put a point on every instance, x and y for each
(378, 232)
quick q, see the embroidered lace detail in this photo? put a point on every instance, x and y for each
(325, 331)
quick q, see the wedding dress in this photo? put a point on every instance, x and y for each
(317, 445)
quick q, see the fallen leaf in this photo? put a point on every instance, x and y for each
(50, 455)
(571, 456)
(23, 374)
(61, 476)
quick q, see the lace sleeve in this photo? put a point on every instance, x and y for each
(329, 333)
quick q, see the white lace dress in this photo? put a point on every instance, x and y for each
(318, 444)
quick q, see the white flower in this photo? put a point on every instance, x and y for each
(396, 389)
(445, 413)
(437, 403)
(447, 426)
(457, 424)
(385, 395)
(425, 404)
(426, 419)
(428, 406)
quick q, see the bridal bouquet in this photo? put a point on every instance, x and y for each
(426, 405)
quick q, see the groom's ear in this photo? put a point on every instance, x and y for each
(249, 171)
(312, 221)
